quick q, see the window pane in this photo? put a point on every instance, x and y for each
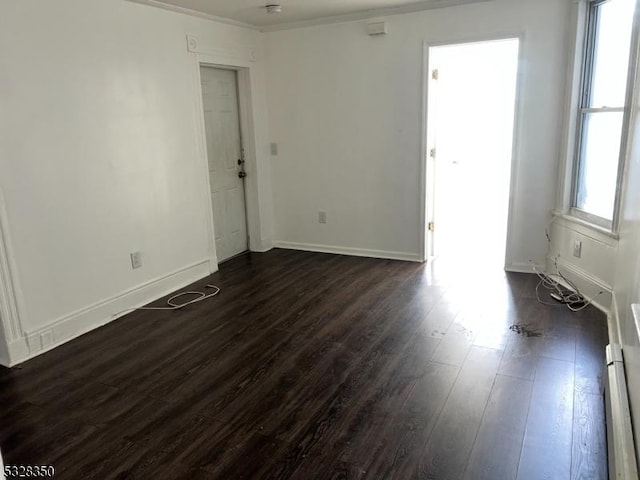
(598, 171)
(611, 53)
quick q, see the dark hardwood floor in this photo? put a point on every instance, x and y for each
(315, 366)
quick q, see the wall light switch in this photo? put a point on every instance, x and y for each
(322, 217)
(274, 149)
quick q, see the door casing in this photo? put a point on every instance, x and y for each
(240, 156)
(244, 69)
(426, 175)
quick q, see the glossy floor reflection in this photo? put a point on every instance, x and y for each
(315, 366)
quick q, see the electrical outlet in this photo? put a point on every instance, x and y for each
(322, 217)
(577, 248)
(136, 260)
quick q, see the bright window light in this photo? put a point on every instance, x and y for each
(597, 184)
(602, 111)
(611, 53)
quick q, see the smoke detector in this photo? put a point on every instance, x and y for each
(274, 8)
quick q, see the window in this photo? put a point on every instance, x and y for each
(602, 110)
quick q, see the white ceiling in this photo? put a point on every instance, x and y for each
(253, 12)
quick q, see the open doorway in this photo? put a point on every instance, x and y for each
(471, 111)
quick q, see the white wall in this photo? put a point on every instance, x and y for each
(99, 157)
(607, 263)
(593, 272)
(627, 265)
(346, 112)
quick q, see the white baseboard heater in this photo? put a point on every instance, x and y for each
(621, 447)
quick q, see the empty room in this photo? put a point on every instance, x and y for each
(337, 239)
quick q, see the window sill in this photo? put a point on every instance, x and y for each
(600, 230)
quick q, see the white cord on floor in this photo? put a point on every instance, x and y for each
(573, 299)
(176, 306)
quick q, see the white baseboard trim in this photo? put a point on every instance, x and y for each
(588, 284)
(263, 247)
(70, 326)
(613, 321)
(357, 252)
(260, 245)
(18, 352)
(520, 267)
(4, 358)
(261, 250)
(620, 441)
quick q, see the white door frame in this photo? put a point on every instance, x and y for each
(11, 306)
(427, 187)
(241, 134)
(243, 62)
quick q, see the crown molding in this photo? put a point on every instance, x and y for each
(347, 17)
(194, 13)
(372, 13)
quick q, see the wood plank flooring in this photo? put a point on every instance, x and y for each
(315, 366)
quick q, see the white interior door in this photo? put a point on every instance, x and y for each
(224, 152)
(471, 117)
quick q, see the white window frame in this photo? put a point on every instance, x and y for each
(588, 33)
